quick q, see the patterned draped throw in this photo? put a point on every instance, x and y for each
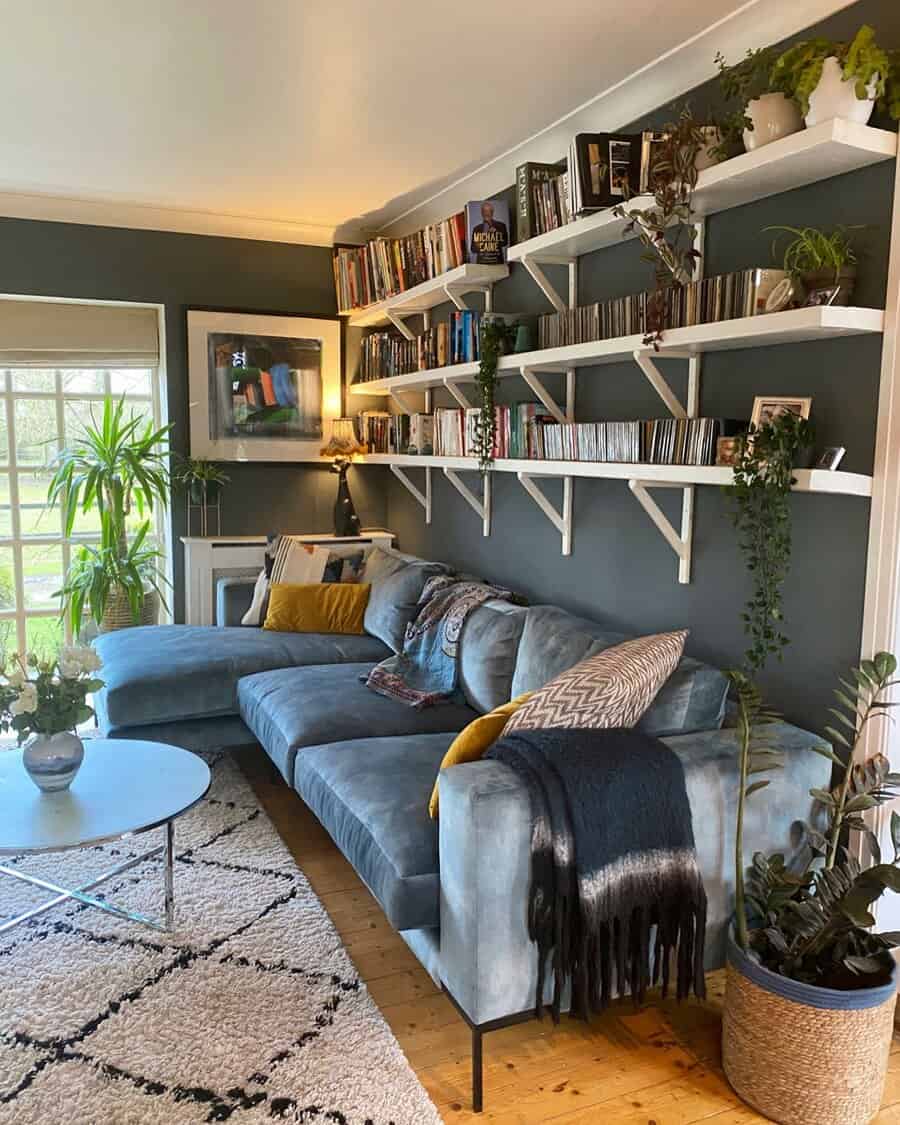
(616, 899)
(426, 672)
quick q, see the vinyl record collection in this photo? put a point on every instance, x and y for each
(656, 441)
(704, 301)
(384, 267)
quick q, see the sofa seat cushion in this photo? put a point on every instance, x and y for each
(159, 673)
(295, 707)
(371, 795)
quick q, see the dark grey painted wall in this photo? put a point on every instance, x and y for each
(621, 570)
(194, 271)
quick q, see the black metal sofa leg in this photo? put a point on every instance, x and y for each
(477, 1073)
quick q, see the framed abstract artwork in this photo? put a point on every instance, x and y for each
(262, 388)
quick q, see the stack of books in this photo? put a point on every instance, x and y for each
(384, 267)
(412, 433)
(657, 441)
(542, 199)
(373, 429)
(383, 354)
(706, 301)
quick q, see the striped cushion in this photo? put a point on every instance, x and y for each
(611, 689)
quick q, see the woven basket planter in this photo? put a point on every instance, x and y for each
(804, 1055)
(118, 611)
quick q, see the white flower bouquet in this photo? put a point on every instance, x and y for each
(47, 697)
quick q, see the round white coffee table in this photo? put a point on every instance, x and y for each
(123, 788)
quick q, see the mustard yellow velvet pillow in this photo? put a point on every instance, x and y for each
(472, 742)
(321, 607)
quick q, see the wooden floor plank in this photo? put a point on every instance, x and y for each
(660, 1065)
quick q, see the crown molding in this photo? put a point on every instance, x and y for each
(667, 78)
(60, 208)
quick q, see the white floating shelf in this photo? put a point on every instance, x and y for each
(807, 480)
(790, 327)
(826, 150)
(436, 291)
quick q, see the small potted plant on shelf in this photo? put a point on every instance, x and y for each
(44, 701)
(820, 260)
(202, 480)
(832, 79)
(760, 110)
(810, 988)
(116, 468)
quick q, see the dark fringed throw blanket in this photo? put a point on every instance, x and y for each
(616, 894)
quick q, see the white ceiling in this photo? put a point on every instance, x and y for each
(309, 114)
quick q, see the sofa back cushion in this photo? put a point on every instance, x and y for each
(488, 646)
(692, 699)
(396, 582)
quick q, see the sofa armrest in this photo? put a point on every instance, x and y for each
(488, 962)
(233, 598)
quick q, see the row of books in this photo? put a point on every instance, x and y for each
(655, 441)
(383, 354)
(705, 301)
(525, 431)
(542, 199)
(384, 267)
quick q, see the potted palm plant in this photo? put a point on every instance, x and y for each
(115, 468)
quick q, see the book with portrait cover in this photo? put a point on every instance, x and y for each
(487, 231)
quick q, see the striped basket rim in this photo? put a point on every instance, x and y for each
(810, 995)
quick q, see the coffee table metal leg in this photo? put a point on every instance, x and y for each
(169, 873)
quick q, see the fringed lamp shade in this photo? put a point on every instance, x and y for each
(341, 447)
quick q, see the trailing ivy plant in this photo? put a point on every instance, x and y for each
(763, 473)
(862, 61)
(496, 339)
(666, 228)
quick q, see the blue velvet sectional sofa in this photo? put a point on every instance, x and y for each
(456, 890)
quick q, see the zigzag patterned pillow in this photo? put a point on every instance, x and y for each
(611, 689)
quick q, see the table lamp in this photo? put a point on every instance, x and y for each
(341, 448)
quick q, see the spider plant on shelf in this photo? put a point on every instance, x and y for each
(201, 479)
(819, 259)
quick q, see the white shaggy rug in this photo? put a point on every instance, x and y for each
(249, 1011)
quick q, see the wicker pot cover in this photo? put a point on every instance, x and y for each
(804, 1055)
(118, 611)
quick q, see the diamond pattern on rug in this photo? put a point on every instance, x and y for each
(249, 1011)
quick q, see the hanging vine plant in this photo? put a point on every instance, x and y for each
(763, 474)
(496, 338)
(666, 228)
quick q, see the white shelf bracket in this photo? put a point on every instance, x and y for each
(458, 393)
(399, 323)
(544, 284)
(646, 358)
(423, 498)
(562, 521)
(482, 507)
(403, 402)
(680, 542)
(540, 391)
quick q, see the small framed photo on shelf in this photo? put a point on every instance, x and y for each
(726, 451)
(831, 457)
(766, 408)
(820, 298)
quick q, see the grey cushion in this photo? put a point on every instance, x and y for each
(692, 699)
(225, 732)
(488, 646)
(372, 797)
(394, 592)
(552, 641)
(160, 673)
(296, 707)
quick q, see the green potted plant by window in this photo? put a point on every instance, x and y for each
(760, 109)
(840, 79)
(115, 468)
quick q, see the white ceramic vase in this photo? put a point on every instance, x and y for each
(835, 96)
(774, 116)
(53, 760)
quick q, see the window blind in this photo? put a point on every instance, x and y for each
(59, 334)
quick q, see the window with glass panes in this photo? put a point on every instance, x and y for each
(43, 410)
